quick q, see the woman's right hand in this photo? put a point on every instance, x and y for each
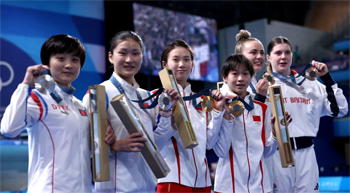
(131, 143)
(221, 102)
(262, 87)
(32, 73)
(227, 114)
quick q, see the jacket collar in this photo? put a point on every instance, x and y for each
(128, 88)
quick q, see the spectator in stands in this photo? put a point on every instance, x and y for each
(297, 55)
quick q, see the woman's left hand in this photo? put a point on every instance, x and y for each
(110, 135)
(288, 117)
(321, 67)
(174, 98)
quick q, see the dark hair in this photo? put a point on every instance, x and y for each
(233, 61)
(122, 36)
(242, 37)
(273, 43)
(62, 43)
(168, 48)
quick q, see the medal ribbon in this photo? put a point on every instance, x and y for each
(116, 83)
(252, 87)
(53, 93)
(247, 106)
(309, 65)
(155, 102)
(286, 79)
(205, 92)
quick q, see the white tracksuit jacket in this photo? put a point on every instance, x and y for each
(58, 139)
(241, 166)
(189, 167)
(306, 109)
(129, 171)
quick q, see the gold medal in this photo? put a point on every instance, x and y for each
(208, 103)
(270, 78)
(236, 108)
(312, 73)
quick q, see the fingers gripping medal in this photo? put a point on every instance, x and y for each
(164, 102)
(269, 77)
(208, 103)
(45, 82)
(236, 108)
(312, 73)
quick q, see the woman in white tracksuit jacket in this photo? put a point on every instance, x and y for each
(241, 166)
(189, 167)
(58, 127)
(307, 101)
(129, 172)
(254, 51)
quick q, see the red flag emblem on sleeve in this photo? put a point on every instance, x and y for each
(256, 118)
(82, 112)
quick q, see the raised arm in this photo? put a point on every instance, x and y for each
(26, 107)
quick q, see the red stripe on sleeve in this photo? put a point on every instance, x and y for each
(177, 157)
(37, 101)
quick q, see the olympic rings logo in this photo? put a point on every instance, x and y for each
(12, 74)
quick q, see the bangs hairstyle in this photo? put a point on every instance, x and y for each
(233, 61)
(62, 43)
(168, 48)
(122, 36)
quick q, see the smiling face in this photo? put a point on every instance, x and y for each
(179, 60)
(238, 80)
(254, 51)
(64, 68)
(280, 58)
(126, 59)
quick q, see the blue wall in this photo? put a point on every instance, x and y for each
(25, 25)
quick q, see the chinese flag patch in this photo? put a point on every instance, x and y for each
(82, 112)
(256, 118)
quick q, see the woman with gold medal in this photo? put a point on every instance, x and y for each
(241, 166)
